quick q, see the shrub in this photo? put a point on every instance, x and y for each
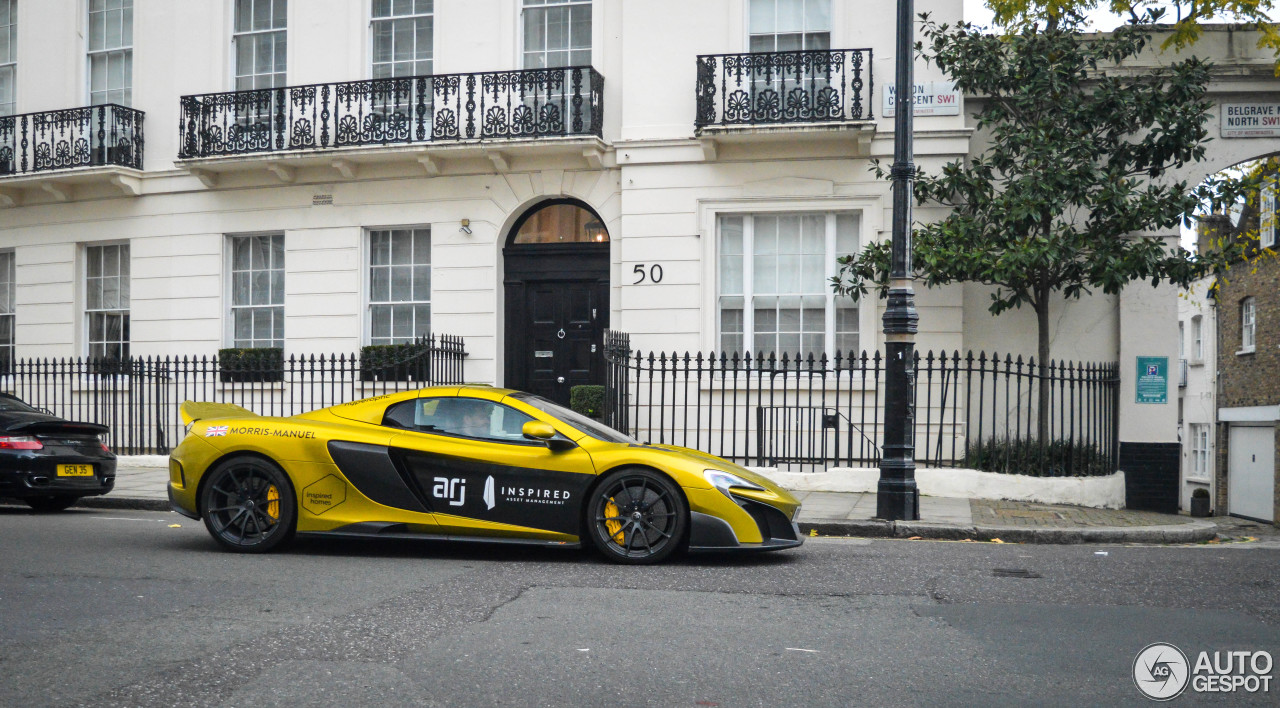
(395, 362)
(251, 365)
(587, 400)
(1200, 493)
(1057, 458)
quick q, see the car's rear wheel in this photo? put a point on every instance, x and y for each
(51, 502)
(637, 516)
(248, 505)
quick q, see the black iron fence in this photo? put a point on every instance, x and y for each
(531, 103)
(784, 87)
(802, 413)
(138, 398)
(91, 136)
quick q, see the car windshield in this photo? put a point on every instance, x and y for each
(594, 428)
(9, 403)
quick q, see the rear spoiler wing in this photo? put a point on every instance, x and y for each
(192, 411)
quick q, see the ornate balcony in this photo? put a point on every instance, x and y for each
(54, 149)
(422, 110)
(778, 92)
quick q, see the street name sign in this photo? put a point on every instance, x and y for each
(932, 98)
(1249, 120)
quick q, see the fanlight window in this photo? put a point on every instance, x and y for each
(561, 223)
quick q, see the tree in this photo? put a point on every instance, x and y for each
(1188, 16)
(1075, 164)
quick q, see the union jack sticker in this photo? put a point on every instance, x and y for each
(215, 431)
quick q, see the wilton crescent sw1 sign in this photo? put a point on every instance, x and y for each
(1249, 120)
(932, 98)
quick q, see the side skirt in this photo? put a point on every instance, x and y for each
(399, 532)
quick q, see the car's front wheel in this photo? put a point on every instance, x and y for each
(248, 505)
(52, 502)
(637, 516)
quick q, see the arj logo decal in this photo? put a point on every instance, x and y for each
(454, 490)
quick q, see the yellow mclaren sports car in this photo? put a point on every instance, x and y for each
(471, 463)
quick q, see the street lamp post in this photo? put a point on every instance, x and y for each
(897, 497)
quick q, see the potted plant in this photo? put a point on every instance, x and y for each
(587, 400)
(251, 365)
(1200, 502)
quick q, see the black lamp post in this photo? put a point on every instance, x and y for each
(897, 497)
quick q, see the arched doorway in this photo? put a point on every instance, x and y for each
(557, 298)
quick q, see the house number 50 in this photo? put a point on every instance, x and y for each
(654, 273)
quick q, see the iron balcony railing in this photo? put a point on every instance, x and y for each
(498, 105)
(763, 88)
(137, 398)
(92, 136)
(972, 410)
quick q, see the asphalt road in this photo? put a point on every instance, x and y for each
(102, 607)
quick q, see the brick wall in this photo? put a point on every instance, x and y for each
(1251, 379)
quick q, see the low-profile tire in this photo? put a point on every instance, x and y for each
(248, 505)
(51, 502)
(637, 516)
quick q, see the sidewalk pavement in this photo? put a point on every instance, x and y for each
(141, 483)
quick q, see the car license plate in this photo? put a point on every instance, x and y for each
(75, 470)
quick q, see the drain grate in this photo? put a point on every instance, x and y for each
(1014, 573)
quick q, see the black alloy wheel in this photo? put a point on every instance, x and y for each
(637, 516)
(51, 502)
(248, 505)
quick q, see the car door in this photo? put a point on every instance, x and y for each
(486, 479)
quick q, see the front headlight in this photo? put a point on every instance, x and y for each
(724, 480)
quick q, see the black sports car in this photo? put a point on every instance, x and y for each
(49, 462)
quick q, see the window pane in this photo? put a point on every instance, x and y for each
(425, 41)
(381, 321)
(817, 15)
(790, 16)
(381, 8)
(422, 246)
(382, 41)
(402, 40)
(262, 14)
(244, 9)
(114, 30)
(127, 29)
(280, 14)
(97, 31)
(535, 33)
(762, 17)
(239, 289)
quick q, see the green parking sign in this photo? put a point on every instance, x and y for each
(1153, 379)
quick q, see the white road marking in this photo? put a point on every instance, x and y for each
(811, 651)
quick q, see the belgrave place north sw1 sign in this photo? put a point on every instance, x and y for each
(1249, 120)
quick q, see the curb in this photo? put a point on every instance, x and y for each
(114, 502)
(1190, 532)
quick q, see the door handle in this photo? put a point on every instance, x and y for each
(559, 379)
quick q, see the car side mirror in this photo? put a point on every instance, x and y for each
(539, 431)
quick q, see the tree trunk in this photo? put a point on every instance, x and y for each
(1042, 355)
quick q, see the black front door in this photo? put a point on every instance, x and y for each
(565, 330)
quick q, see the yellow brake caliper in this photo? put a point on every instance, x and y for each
(273, 502)
(612, 524)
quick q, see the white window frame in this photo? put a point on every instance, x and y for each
(1197, 339)
(805, 31)
(748, 277)
(374, 21)
(368, 267)
(124, 271)
(1201, 446)
(1248, 325)
(124, 50)
(524, 5)
(235, 52)
(8, 309)
(10, 63)
(229, 289)
(1267, 213)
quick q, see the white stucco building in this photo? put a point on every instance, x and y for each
(328, 174)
